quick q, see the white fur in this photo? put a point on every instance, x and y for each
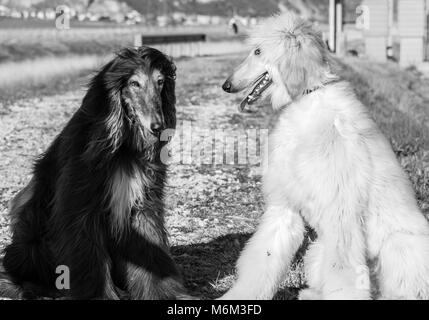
(330, 166)
(126, 189)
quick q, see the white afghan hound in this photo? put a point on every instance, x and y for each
(328, 166)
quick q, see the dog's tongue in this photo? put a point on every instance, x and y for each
(261, 85)
(242, 105)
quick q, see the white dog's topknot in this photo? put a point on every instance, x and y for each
(277, 27)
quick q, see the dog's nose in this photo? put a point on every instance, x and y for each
(227, 86)
(155, 127)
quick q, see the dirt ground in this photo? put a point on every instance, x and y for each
(211, 209)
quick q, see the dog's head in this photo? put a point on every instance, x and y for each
(142, 83)
(287, 57)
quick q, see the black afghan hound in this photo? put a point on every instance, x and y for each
(95, 202)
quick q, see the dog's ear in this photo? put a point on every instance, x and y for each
(107, 134)
(305, 65)
(104, 104)
(168, 95)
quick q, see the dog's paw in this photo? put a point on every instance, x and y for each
(226, 296)
(310, 294)
(187, 297)
(232, 295)
(347, 294)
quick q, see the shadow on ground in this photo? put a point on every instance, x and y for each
(208, 267)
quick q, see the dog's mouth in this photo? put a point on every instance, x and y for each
(258, 87)
(136, 120)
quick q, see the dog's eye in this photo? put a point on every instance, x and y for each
(160, 82)
(257, 52)
(135, 84)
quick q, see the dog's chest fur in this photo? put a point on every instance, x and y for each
(128, 189)
(311, 150)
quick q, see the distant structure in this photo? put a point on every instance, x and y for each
(412, 26)
(384, 24)
(376, 33)
(335, 24)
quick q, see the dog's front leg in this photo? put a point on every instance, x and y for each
(266, 257)
(343, 264)
(151, 273)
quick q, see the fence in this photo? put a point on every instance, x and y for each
(176, 45)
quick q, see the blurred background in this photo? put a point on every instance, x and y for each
(28, 27)
(31, 29)
(50, 48)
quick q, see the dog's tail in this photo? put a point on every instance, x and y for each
(8, 289)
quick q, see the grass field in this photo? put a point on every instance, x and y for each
(212, 210)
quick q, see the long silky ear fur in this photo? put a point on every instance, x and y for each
(109, 131)
(306, 62)
(103, 103)
(168, 97)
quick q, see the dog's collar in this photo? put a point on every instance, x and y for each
(308, 91)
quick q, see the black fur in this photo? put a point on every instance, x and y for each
(63, 216)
